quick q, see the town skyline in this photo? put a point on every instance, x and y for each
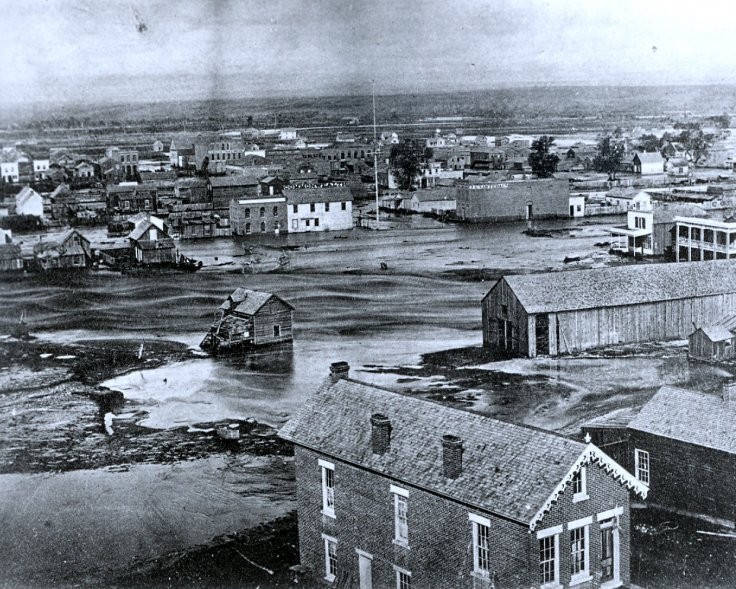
(84, 51)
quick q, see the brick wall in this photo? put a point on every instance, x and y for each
(688, 477)
(604, 494)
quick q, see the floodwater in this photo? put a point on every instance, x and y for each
(347, 308)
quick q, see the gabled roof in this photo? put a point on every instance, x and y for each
(689, 416)
(248, 302)
(25, 195)
(622, 285)
(721, 330)
(649, 158)
(514, 471)
(56, 241)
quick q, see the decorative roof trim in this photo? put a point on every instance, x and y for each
(590, 455)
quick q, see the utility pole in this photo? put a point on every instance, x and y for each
(375, 152)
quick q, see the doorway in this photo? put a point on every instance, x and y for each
(365, 569)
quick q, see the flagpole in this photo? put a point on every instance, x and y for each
(375, 152)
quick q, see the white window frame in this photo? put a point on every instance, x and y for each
(400, 495)
(552, 533)
(327, 496)
(477, 522)
(583, 494)
(610, 519)
(583, 575)
(329, 541)
(399, 572)
(638, 469)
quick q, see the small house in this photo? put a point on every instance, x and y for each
(648, 164)
(29, 202)
(63, 251)
(11, 258)
(250, 318)
(150, 242)
(397, 491)
(713, 342)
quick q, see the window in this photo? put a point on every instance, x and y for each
(262, 212)
(316, 222)
(481, 545)
(330, 557)
(312, 207)
(275, 211)
(126, 205)
(147, 204)
(641, 465)
(504, 310)
(247, 228)
(295, 208)
(401, 515)
(276, 331)
(579, 551)
(294, 224)
(328, 488)
(263, 227)
(549, 556)
(247, 213)
(344, 206)
(580, 486)
(327, 206)
(403, 578)
(306, 222)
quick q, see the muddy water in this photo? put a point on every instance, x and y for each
(347, 308)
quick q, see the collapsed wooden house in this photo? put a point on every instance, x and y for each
(247, 319)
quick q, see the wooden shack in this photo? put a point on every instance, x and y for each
(565, 312)
(150, 243)
(250, 318)
(714, 342)
(64, 251)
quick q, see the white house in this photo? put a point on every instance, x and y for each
(29, 202)
(9, 171)
(648, 164)
(287, 134)
(577, 205)
(318, 208)
(40, 168)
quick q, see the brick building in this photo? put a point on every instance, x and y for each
(513, 200)
(682, 446)
(223, 189)
(258, 215)
(395, 491)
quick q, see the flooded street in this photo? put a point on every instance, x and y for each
(387, 324)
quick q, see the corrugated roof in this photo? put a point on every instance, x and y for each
(689, 416)
(622, 285)
(507, 469)
(247, 302)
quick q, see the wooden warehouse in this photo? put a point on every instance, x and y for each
(564, 312)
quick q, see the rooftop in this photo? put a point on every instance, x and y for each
(690, 416)
(247, 302)
(514, 471)
(622, 285)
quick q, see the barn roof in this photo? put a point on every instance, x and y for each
(247, 302)
(689, 416)
(622, 285)
(514, 471)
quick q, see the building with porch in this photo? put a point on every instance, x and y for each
(704, 239)
(397, 491)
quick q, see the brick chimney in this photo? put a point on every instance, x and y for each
(380, 433)
(339, 370)
(452, 456)
(729, 391)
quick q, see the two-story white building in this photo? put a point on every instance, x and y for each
(318, 208)
(40, 167)
(9, 171)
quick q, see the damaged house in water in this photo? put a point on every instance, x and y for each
(396, 491)
(248, 319)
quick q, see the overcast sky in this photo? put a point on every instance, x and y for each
(77, 50)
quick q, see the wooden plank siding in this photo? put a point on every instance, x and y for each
(582, 329)
(271, 314)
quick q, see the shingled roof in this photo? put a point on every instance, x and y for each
(513, 471)
(247, 302)
(690, 416)
(622, 285)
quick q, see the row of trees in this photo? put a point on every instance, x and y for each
(610, 153)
